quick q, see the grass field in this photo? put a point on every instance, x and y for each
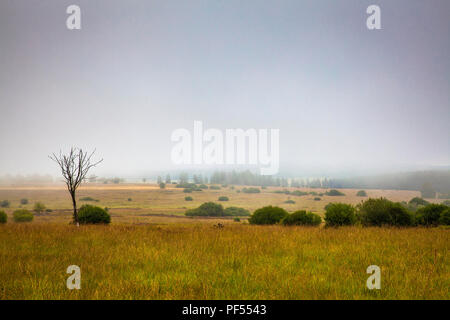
(150, 251)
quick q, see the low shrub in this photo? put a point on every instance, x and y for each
(223, 198)
(417, 201)
(5, 204)
(236, 211)
(39, 208)
(251, 190)
(89, 199)
(430, 215)
(268, 215)
(22, 216)
(208, 209)
(203, 186)
(299, 193)
(317, 199)
(89, 214)
(188, 198)
(334, 193)
(188, 190)
(23, 201)
(3, 217)
(340, 214)
(289, 201)
(361, 193)
(214, 188)
(302, 218)
(237, 220)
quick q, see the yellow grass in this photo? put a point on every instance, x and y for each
(151, 251)
(240, 261)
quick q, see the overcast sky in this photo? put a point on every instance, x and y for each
(341, 95)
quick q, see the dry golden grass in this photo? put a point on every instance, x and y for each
(151, 251)
(240, 261)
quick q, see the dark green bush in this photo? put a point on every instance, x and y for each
(400, 216)
(208, 209)
(5, 204)
(379, 212)
(340, 214)
(214, 188)
(203, 186)
(445, 217)
(302, 218)
(236, 211)
(268, 215)
(317, 199)
(418, 202)
(188, 190)
(22, 216)
(3, 217)
(237, 220)
(188, 198)
(361, 193)
(430, 214)
(334, 192)
(23, 201)
(289, 201)
(93, 215)
(223, 198)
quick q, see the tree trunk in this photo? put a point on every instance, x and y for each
(75, 213)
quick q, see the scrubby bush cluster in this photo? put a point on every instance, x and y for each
(340, 214)
(89, 214)
(268, 215)
(5, 204)
(236, 211)
(334, 192)
(223, 198)
(207, 209)
(251, 190)
(22, 216)
(361, 193)
(302, 218)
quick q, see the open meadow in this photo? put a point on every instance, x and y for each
(152, 251)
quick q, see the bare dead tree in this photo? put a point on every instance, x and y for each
(74, 168)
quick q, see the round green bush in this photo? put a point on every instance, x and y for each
(188, 198)
(340, 214)
(223, 198)
(22, 216)
(361, 193)
(430, 214)
(302, 218)
(208, 209)
(236, 211)
(289, 201)
(445, 217)
(400, 216)
(375, 212)
(268, 215)
(89, 214)
(23, 201)
(3, 217)
(237, 220)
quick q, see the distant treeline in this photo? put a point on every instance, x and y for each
(437, 180)
(28, 179)
(428, 181)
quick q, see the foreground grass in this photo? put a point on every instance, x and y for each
(197, 261)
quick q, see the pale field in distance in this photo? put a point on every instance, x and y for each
(149, 201)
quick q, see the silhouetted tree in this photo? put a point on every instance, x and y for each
(74, 168)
